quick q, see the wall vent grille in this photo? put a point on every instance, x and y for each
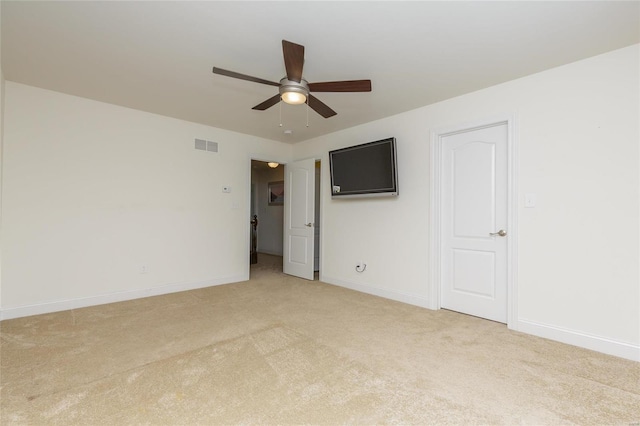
(201, 144)
(212, 146)
(205, 145)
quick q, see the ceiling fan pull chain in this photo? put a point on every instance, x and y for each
(307, 111)
(280, 113)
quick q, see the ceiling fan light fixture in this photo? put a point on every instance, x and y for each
(273, 164)
(294, 98)
(293, 92)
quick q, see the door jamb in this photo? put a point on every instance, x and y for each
(435, 219)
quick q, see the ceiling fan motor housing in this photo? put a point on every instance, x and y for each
(290, 86)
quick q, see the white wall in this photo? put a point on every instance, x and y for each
(93, 192)
(578, 140)
(1, 149)
(2, 85)
(270, 218)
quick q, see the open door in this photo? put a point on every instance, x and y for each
(299, 213)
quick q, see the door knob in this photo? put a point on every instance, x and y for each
(309, 224)
(500, 233)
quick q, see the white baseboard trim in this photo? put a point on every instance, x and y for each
(120, 296)
(387, 294)
(563, 335)
(577, 338)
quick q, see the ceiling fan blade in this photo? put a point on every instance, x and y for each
(341, 86)
(293, 60)
(243, 77)
(268, 103)
(320, 107)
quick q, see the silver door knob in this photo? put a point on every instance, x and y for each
(500, 233)
(308, 224)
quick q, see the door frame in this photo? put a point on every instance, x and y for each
(435, 219)
(264, 159)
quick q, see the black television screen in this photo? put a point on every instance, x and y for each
(366, 170)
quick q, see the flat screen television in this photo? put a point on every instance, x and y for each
(367, 170)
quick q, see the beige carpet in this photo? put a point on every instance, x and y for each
(280, 350)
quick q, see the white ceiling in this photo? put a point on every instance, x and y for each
(158, 56)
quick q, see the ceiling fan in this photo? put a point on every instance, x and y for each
(295, 90)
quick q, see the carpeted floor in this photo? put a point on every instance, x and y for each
(281, 350)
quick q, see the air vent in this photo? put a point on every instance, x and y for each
(212, 146)
(201, 144)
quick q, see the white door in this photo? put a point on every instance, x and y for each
(474, 222)
(299, 212)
